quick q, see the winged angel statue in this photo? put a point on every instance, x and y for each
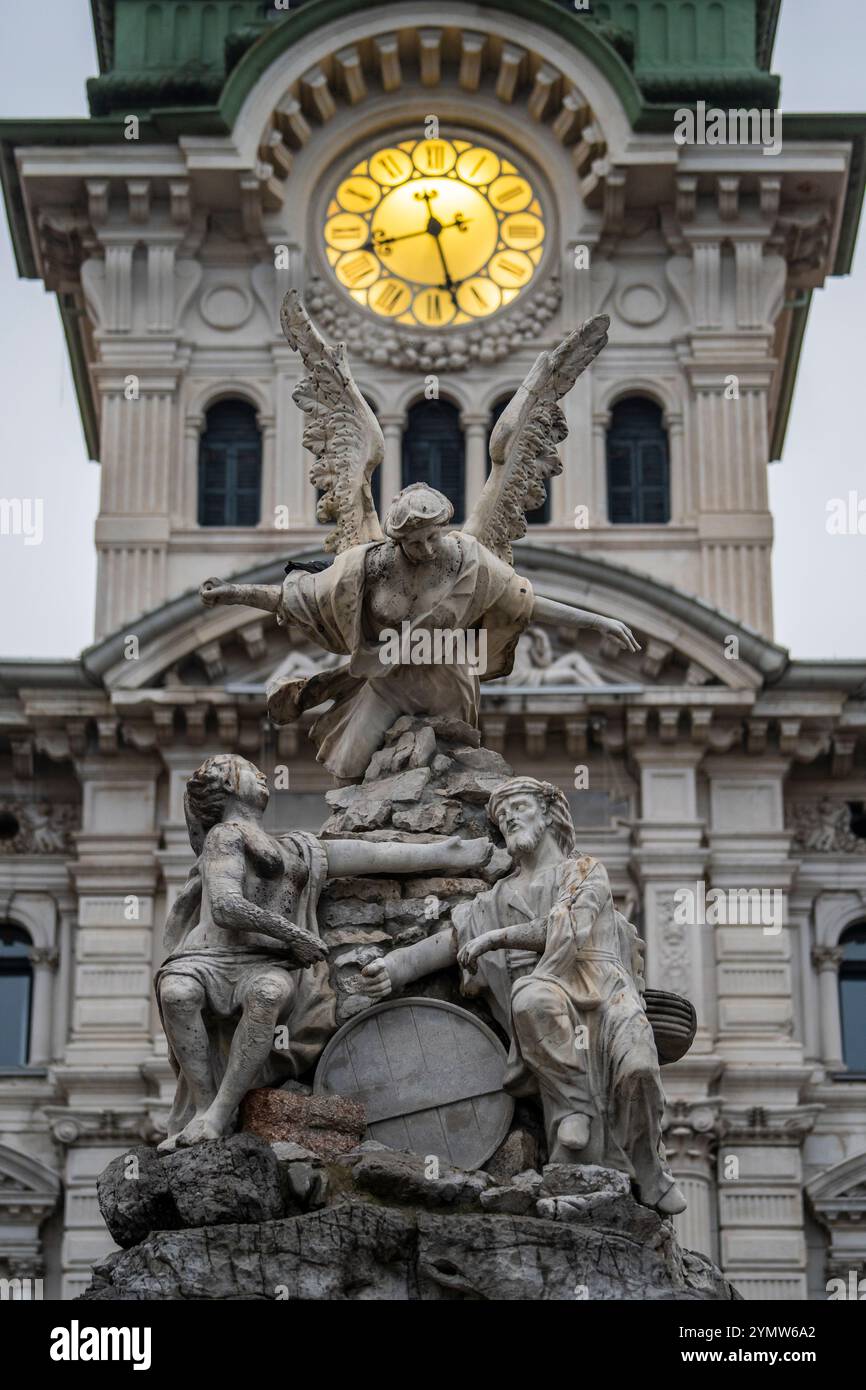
(418, 577)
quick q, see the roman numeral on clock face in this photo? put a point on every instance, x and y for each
(433, 306)
(389, 297)
(358, 268)
(388, 163)
(506, 195)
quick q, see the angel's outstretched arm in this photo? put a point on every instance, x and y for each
(266, 596)
(548, 610)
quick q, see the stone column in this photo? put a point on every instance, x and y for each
(668, 859)
(68, 912)
(270, 498)
(682, 500)
(391, 472)
(597, 500)
(752, 874)
(691, 1139)
(185, 483)
(115, 876)
(826, 960)
(44, 961)
(762, 1249)
(475, 430)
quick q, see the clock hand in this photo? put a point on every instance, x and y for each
(371, 245)
(434, 227)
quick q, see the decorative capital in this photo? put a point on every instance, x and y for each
(827, 957)
(44, 955)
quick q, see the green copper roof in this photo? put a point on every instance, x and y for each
(179, 52)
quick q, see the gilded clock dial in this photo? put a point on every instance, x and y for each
(434, 233)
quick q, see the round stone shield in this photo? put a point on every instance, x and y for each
(429, 1075)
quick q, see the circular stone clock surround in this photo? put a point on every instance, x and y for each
(394, 239)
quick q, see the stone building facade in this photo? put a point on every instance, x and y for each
(169, 224)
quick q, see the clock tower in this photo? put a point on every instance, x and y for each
(451, 189)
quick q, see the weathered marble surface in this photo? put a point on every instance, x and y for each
(430, 779)
(327, 1125)
(375, 1225)
(561, 971)
(244, 992)
(389, 598)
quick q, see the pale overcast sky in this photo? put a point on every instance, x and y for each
(47, 52)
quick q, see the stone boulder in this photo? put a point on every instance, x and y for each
(376, 1224)
(326, 1125)
(236, 1179)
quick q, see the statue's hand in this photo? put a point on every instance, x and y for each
(213, 591)
(468, 955)
(375, 979)
(459, 853)
(303, 947)
(621, 634)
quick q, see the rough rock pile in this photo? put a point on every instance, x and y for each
(432, 778)
(240, 1218)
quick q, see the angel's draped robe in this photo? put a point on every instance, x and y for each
(609, 1070)
(369, 695)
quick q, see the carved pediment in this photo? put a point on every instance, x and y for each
(26, 1185)
(839, 1194)
(253, 654)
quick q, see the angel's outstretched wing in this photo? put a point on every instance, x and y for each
(524, 440)
(341, 431)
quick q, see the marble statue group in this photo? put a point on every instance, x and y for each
(245, 992)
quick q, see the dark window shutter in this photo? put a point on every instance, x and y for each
(852, 997)
(16, 985)
(433, 451)
(230, 466)
(638, 469)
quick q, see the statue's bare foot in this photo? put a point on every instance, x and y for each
(168, 1145)
(672, 1202)
(573, 1132)
(200, 1129)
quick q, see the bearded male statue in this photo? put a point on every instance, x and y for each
(560, 969)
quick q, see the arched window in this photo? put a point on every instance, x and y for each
(852, 997)
(16, 980)
(433, 450)
(230, 466)
(638, 472)
(541, 514)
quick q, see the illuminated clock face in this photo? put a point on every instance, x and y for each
(434, 233)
